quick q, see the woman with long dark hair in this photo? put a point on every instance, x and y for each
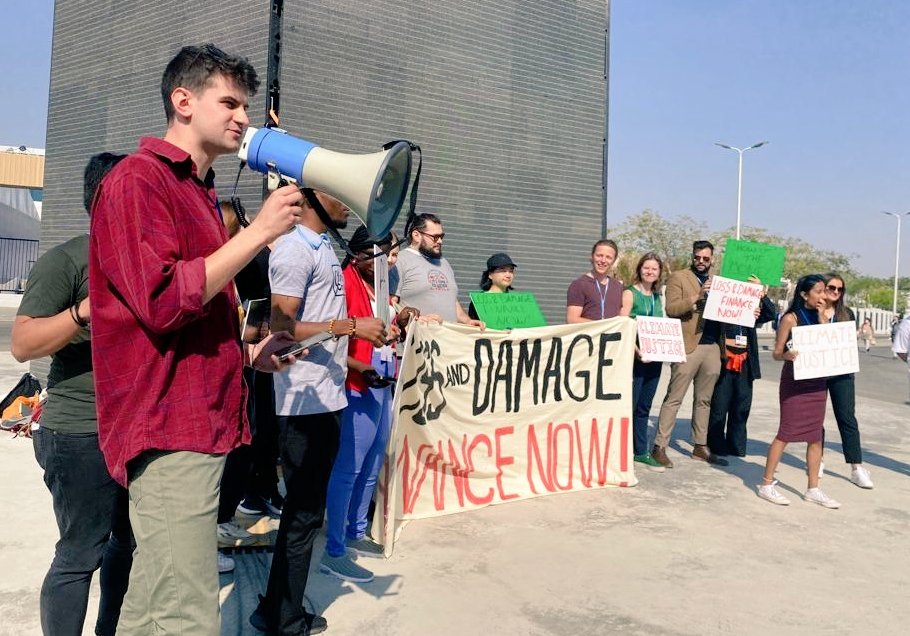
(642, 298)
(842, 388)
(802, 402)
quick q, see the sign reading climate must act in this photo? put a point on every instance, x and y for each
(484, 418)
(825, 350)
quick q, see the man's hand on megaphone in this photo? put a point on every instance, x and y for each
(371, 329)
(280, 212)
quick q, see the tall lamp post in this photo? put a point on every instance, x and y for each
(897, 256)
(739, 189)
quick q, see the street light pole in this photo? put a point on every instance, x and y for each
(739, 188)
(897, 257)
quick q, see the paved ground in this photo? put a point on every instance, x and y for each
(690, 551)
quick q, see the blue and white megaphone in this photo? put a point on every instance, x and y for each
(372, 185)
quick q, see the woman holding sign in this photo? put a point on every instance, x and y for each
(496, 279)
(842, 388)
(802, 402)
(643, 299)
(365, 423)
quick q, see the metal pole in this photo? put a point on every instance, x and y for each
(739, 194)
(897, 260)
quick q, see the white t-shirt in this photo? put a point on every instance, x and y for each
(303, 265)
(901, 342)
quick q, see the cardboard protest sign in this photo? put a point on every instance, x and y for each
(732, 301)
(483, 418)
(825, 350)
(660, 339)
(743, 259)
(508, 311)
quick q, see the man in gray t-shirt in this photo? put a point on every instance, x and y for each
(307, 298)
(426, 280)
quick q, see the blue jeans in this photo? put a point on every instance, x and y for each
(645, 378)
(92, 517)
(365, 426)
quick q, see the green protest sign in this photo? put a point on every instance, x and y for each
(508, 311)
(743, 259)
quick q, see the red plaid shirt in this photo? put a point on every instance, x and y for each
(167, 368)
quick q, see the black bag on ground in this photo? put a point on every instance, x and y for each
(27, 386)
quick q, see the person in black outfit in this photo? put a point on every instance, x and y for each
(732, 398)
(842, 388)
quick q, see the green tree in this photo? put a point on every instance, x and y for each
(648, 231)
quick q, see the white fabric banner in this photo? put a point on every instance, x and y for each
(732, 301)
(660, 339)
(483, 418)
(825, 350)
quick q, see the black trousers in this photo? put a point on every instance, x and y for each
(93, 520)
(730, 406)
(842, 390)
(308, 446)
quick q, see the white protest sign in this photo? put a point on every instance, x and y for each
(732, 301)
(381, 285)
(825, 350)
(660, 339)
(484, 418)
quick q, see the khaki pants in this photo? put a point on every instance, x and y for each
(173, 511)
(702, 367)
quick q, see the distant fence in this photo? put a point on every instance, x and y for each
(16, 259)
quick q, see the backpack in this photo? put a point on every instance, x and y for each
(21, 406)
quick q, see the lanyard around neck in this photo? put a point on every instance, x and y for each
(603, 296)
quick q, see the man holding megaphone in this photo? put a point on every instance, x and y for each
(165, 336)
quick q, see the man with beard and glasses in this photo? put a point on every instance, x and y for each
(308, 298)
(685, 297)
(425, 279)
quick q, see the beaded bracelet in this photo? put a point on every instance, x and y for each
(353, 327)
(332, 329)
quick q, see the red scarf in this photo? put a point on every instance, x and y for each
(357, 298)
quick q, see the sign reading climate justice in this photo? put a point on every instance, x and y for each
(660, 339)
(732, 301)
(483, 418)
(825, 350)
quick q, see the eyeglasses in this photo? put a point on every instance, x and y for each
(436, 238)
(834, 289)
(701, 259)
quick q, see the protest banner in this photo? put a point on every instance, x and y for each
(660, 339)
(743, 259)
(483, 418)
(513, 310)
(825, 350)
(732, 301)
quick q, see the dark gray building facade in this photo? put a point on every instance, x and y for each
(507, 99)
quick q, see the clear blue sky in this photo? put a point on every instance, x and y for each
(825, 81)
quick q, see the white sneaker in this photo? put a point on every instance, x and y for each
(815, 495)
(861, 477)
(225, 564)
(230, 535)
(769, 492)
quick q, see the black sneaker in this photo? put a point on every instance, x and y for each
(315, 624)
(254, 506)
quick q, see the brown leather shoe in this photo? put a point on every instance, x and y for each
(700, 451)
(660, 454)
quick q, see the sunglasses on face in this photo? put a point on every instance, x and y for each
(701, 259)
(834, 289)
(436, 238)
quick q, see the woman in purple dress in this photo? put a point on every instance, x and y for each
(802, 402)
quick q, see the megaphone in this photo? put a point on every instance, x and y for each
(372, 185)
